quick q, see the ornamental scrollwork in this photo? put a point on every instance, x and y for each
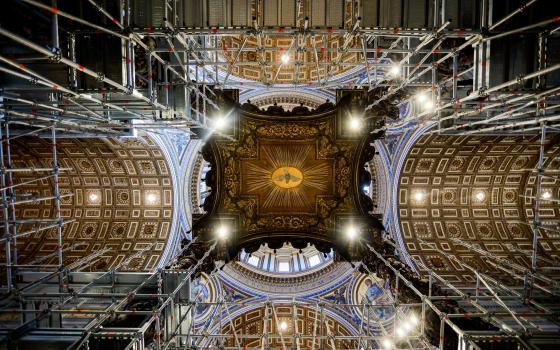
(325, 207)
(287, 222)
(278, 178)
(287, 131)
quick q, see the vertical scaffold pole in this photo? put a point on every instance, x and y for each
(11, 193)
(536, 219)
(56, 195)
(6, 219)
(441, 333)
(54, 27)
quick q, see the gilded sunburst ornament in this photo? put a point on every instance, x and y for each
(287, 177)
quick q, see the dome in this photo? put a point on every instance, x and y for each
(286, 260)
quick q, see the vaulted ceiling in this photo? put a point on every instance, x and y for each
(319, 57)
(308, 322)
(480, 191)
(118, 192)
(326, 52)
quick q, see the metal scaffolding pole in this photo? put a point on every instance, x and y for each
(11, 194)
(114, 306)
(514, 124)
(62, 111)
(330, 337)
(427, 301)
(530, 278)
(506, 263)
(536, 98)
(409, 78)
(97, 75)
(7, 238)
(30, 232)
(195, 62)
(39, 79)
(57, 12)
(486, 92)
(496, 285)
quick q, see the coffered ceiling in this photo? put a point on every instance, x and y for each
(308, 322)
(319, 57)
(478, 190)
(117, 191)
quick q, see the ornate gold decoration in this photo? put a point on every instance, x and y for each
(120, 172)
(291, 131)
(287, 177)
(451, 170)
(279, 222)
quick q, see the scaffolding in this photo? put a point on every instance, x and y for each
(157, 310)
(197, 62)
(87, 307)
(57, 302)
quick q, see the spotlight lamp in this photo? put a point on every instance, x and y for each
(395, 70)
(418, 196)
(387, 343)
(283, 325)
(352, 232)
(285, 58)
(220, 123)
(222, 233)
(421, 97)
(407, 325)
(151, 198)
(413, 319)
(429, 105)
(355, 123)
(93, 197)
(425, 101)
(546, 195)
(480, 195)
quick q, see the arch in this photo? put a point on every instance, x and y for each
(248, 319)
(120, 194)
(476, 189)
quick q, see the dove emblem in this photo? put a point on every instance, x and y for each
(287, 177)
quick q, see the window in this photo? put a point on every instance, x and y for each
(366, 189)
(286, 260)
(266, 260)
(284, 266)
(271, 264)
(253, 260)
(314, 260)
(295, 262)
